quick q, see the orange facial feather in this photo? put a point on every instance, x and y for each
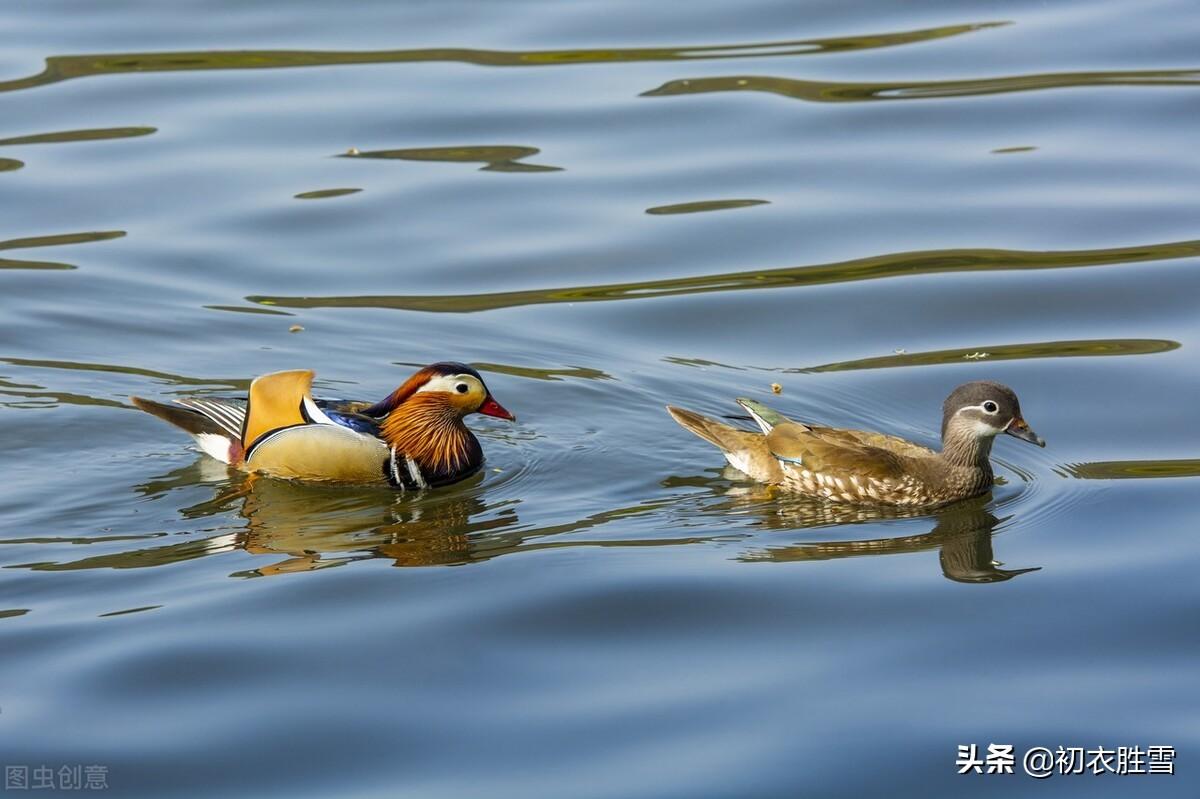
(428, 429)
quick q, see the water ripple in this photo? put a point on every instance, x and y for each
(817, 91)
(60, 68)
(927, 262)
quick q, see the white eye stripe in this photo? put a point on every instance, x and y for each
(988, 406)
(449, 383)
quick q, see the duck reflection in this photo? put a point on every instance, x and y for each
(314, 527)
(962, 532)
(330, 526)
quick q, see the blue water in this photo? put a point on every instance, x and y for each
(604, 207)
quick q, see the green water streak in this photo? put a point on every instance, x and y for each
(816, 91)
(69, 67)
(52, 241)
(1005, 352)
(494, 157)
(702, 206)
(92, 134)
(922, 262)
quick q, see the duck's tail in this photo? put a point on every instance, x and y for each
(745, 450)
(214, 424)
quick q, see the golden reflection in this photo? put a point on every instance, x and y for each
(903, 264)
(60, 68)
(303, 527)
(818, 91)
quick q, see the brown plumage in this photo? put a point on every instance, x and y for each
(865, 467)
(430, 431)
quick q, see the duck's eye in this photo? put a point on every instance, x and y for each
(990, 407)
(462, 388)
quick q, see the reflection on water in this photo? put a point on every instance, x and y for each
(928, 262)
(702, 206)
(170, 378)
(52, 241)
(962, 532)
(60, 68)
(10, 164)
(962, 535)
(321, 194)
(303, 527)
(307, 527)
(496, 158)
(1121, 470)
(834, 92)
(1004, 352)
(91, 134)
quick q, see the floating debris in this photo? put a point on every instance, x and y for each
(296, 329)
(776, 388)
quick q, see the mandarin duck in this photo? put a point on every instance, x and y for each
(413, 439)
(873, 468)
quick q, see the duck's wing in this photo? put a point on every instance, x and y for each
(277, 401)
(880, 440)
(833, 454)
(288, 434)
(349, 413)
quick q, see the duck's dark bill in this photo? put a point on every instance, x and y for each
(1019, 428)
(492, 408)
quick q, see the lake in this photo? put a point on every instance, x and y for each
(605, 207)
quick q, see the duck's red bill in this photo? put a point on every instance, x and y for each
(492, 408)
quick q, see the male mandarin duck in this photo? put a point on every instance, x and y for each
(414, 438)
(873, 468)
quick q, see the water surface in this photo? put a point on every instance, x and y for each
(605, 207)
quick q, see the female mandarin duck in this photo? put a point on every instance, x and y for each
(414, 438)
(857, 466)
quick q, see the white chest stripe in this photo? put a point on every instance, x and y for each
(395, 471)
(415, 473)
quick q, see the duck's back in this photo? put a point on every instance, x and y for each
(853, 465)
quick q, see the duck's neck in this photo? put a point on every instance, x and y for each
(961, 447)
(433, 434)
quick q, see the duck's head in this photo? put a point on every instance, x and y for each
(983, 410)
(452, 388)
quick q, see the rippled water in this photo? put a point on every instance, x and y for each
(605, 207)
